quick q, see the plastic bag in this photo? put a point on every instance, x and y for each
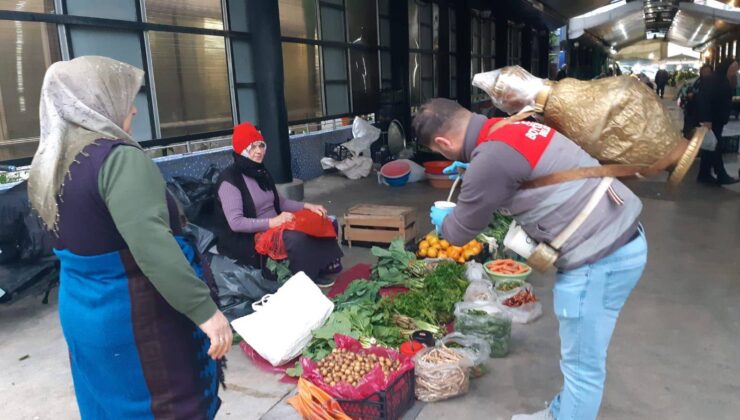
(352, 168)
(505, 294)
(238, 286)
(203, 239)
(313, 403)
(373, 382)
(22, 233)
(525, 313)
(483, 319)
(441, 380)
(529, 312)
(710, 141)
(512, 89)
(196, 195)
(280, 328)
(487, 321)
(271, 243)
(480, 291)
(475, 271)
(365, 134)
(474, 348)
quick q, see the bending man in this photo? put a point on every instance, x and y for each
(599, 264)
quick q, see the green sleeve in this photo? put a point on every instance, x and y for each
(135, 193)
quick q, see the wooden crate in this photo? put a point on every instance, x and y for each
(375, 224)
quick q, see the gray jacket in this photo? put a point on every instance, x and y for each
(492, 182)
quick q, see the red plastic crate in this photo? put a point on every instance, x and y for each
(389, 404)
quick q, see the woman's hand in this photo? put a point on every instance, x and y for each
(281, 219)
(218, 330)
(318, 209)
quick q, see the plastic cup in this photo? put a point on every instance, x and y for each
(444, 204)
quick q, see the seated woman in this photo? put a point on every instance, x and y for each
(250, 204)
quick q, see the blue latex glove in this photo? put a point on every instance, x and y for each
(453, 169)
(438, 217)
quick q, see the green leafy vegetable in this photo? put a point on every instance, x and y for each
(280, 269)
(358, 292)
(393, 263)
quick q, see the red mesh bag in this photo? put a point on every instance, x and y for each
(271, 242)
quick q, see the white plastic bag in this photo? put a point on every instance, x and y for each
(710, 141)
(480, 291)
(352, 168)
(529, 312)
(474, 348)
(280, 328)
(365, 134)
(475, 271)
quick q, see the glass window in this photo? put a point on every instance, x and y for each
(247, 101)
(242, 57)
(435, 25)
(427, 77)
(332, 24)
(238, 15)
(415, 79)
(302, 81)
(386, 72)
(110, 9)
(298, 19)
(119, 45)
(453, 35)
(28, 49)
(38, 6)
(364, 77)
(362, 22)
(335, 64)
(414, 25)
(475, 35)
(196, 13)
(485, 38)
(453, 77)
(384, 7)
(385, 32)
(191, 83)
(337, 99)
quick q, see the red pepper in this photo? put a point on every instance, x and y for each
(410, 348)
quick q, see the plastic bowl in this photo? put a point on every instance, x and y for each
(395, 169)
(435, 167)
(495, 277)
(440, 181)
(397, 182)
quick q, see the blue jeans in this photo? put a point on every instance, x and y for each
(587, 302)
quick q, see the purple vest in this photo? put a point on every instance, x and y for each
(86, 226)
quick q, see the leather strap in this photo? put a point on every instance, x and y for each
(540, 101)
(609, 170)
(573, 226)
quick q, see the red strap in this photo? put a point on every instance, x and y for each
(526, 137)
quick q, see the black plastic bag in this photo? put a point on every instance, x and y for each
(239, 286)
(21, 228)
(202, 239)
(197, 195)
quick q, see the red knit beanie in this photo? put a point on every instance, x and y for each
(244, 135)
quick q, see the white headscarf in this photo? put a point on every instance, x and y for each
(82, 100)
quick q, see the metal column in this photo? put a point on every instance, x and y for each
(264, 21)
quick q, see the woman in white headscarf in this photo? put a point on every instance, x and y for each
(136, 306)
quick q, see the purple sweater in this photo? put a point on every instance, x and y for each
(231, 200)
